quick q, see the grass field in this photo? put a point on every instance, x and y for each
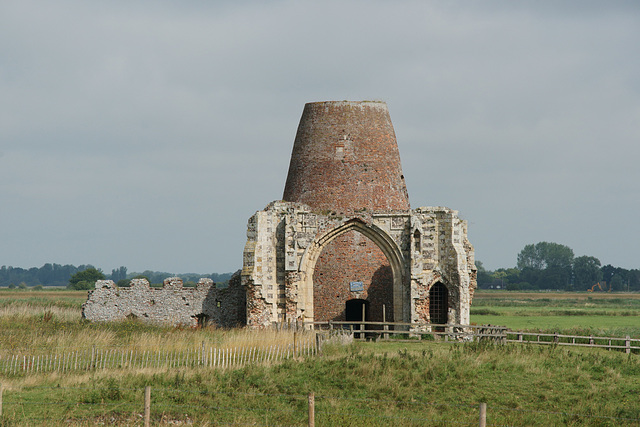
(359, 384)
(603, 314)
(362, 384)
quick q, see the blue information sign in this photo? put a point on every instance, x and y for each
(356, 286)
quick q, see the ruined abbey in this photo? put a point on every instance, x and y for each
(342, 243)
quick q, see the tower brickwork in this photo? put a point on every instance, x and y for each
(345, 160)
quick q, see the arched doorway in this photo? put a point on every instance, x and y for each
(352, 267)
(439, 304)
(310, 301)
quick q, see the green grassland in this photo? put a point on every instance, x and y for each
(358, 384)
(362, 384)
(602, 314)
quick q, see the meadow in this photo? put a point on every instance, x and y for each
(355, 384)
(579, 313)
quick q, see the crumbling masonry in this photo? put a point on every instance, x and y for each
(172, 304)
(342, 243)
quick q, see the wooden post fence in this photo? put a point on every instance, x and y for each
(483, 415)
(312, 409)
(294, 343)
(147, 406)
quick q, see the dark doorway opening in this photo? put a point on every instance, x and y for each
(202, 319)
(357, 310)
(438, 304)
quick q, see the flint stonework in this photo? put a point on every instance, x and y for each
(342, 243)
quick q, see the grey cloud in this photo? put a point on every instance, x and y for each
(146, 134)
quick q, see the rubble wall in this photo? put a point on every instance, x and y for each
(172, 304)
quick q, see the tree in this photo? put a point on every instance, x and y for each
(531, 257)
(546, 265)
(119, 274)
(484, 277)
(85, 279)
(617, 283)
(586, 272)
(545, 254)
(634, 280)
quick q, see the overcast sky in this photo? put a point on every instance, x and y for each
(146, 133)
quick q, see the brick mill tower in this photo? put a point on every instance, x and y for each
(344, 241)
(345, 159)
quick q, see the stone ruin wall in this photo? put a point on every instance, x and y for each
(432, 242)
(441, 252)
(172, 304)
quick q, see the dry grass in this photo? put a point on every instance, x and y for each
(45, 328)
(19, 309)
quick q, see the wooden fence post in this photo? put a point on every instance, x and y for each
(147, 406)
(627, 345)
(384, 319)
(483, 415)
(294, 344)
(1, 393)
(312, 409)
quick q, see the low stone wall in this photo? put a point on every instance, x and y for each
(172, 304)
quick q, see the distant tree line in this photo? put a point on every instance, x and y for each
(61, 275)
(547, 265)
(47, 275)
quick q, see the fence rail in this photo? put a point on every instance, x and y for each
(400, 330)
(501, 334)
(626, 344)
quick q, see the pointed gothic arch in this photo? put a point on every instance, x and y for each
(378, 236)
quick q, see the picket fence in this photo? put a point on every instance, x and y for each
(120, 358)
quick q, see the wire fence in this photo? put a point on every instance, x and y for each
(147, 406)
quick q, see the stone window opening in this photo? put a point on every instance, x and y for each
(439, 305)
(417, 242)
